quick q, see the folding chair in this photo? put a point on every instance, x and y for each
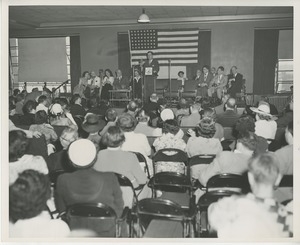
(97, 217)
(143, 162)
(202, 228)
(226, 181)
(163, 218)
(171, 156)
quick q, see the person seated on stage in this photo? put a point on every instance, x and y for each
(218, 83)
(143, 125)
(265, 125)
(201, 140)
(28, 217)
(181, 78)
(235, 82)
(193, 119)
(170, 140)
(213, 71)
(42, 104)
(76, 108)
(18, 160)
(82, 87)
(120, 81)
(111, 117)
(29, 110)
(256, 215)
(136, 85)
(273, 109)
(198, 74)
(107, 85)
(287, 117)
(94, 83)
(205, 79)
(230, 116)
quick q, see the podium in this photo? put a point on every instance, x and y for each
(149, 86)
(119, 96)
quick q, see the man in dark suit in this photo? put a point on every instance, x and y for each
(230, 116)
(120, 81)
(204, 80)
(235, 82)
(151, 69)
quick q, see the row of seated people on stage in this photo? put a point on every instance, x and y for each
(99, 141)
(210, 81)
(92, 85)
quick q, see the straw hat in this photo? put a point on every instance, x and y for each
(56, 109)
(263, 109)
(92, 123)
(82, 153)
(167, 114)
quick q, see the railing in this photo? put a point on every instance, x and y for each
(66, 88)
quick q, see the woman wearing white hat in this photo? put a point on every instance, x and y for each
(265, 125)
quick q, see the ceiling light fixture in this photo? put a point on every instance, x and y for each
(143, 18)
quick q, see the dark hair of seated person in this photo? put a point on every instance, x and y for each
(28, 195)
(29, 106)
(42, 98)
(114, 137)
(243, 126)
(18, 144)
(126, 122)
(170, 126)
(41, 117)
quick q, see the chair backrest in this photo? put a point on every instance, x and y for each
(143, 161)
(125, 182)
(160, 208)
(171, 182)
(226, 181)
(170, 155)
(213, 196)
(97, 217)
(201, 159)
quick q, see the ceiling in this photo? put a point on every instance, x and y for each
(31, 17)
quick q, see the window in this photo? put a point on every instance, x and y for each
(14, 69)
(284, 76)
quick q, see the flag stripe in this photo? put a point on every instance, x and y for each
(181, 46)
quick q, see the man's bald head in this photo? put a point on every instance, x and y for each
(231, 103)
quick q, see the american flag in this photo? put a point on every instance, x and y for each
(179, 46)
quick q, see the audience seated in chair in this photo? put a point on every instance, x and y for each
(265, 218)
(58, 116)
(18, 160)
(76, 106)
(42, 104)
(202, 141)
(60, 159)
(86, 185)
(231, 162)
(143, 125)
(169, 140)
(193, 118)
(151, 108)
(29, 110)
(28, 197)
(230, 116)
(111, 118)
(287, 116)
(210, 113)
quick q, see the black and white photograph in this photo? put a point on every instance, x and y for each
(136, 120)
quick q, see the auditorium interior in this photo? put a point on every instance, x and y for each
(200, 97)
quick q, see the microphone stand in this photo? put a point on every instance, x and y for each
(65, 82)
(169, 74)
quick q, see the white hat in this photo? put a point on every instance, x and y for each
(262, 109)
(82, 153)
(167, 114)
(56, 109)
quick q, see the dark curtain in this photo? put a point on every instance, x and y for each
(75, 61)
(124, 54)
(265, 59)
